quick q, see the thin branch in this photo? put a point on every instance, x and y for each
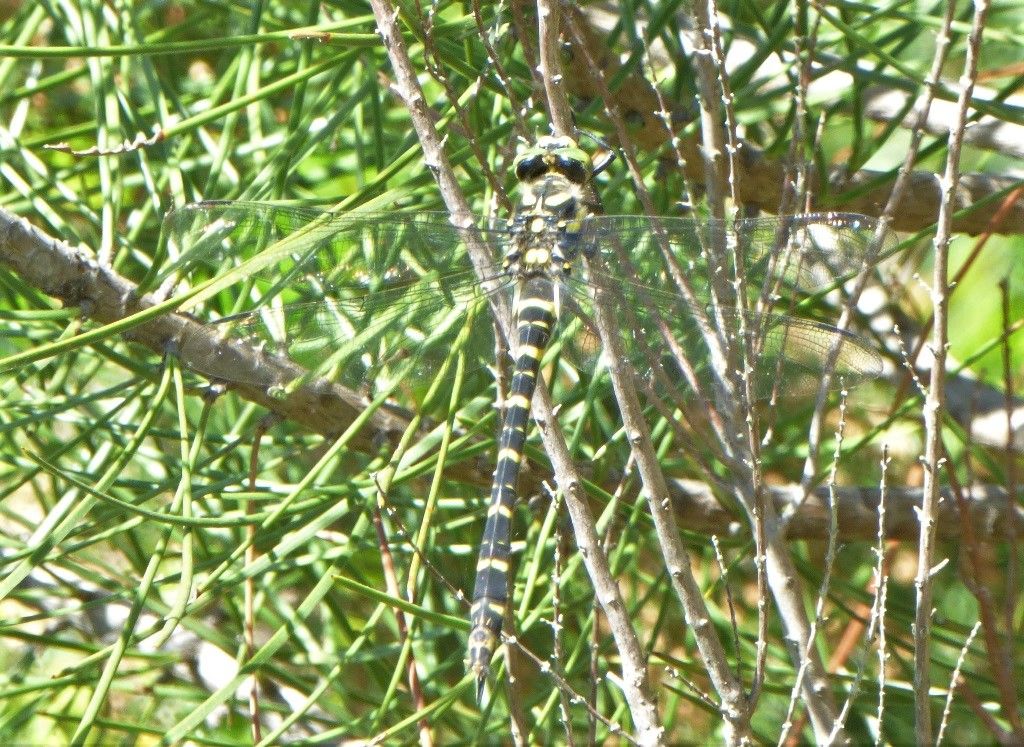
(953, 680)
(635, 682)
(733, 708)
(826, 581)
(935, 401)
(77, 280)
(881, 583)
(992, 511)
(548, 22)
(711, 153)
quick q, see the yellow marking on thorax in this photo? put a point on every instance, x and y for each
(537, 256)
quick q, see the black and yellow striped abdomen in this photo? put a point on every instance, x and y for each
(547, 234)
(535, 316)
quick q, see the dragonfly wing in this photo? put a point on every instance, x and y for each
(808, 252)
(357, 299)
(670, 328)
(791, 355)
(802, 254)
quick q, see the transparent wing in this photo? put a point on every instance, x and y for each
(352, 298)
(358, 298)
(795, 254)
(668, 285)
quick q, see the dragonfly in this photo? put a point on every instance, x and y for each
(378, 301)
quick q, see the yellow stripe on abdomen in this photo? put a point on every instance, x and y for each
(535, 313)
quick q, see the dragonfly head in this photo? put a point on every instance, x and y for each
(554, 176)
(553, 179)
(553, 155)
(558, 155)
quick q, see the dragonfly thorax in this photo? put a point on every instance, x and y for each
(546, 229)
(543, 244)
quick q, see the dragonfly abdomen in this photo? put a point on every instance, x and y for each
(536, 316)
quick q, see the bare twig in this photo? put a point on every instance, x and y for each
(953, 680)
(823, 590)
(887, 218)
(712, 153)
(1013, 561)
(733, 707)
(879, 607)
(548, 23)
(935, 401)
